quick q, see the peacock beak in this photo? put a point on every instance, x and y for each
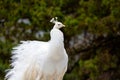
(63, 25)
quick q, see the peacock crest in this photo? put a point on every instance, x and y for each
(54, 20)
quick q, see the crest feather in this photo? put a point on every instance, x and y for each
(53, 20)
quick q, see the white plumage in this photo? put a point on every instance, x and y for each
(37, 60)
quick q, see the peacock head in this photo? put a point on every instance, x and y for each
(58, 24)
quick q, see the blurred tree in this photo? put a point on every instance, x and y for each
(92, 33)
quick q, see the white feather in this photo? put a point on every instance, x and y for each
(37, 60)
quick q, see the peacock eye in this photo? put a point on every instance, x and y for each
(58, 24)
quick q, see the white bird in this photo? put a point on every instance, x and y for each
(38, 60)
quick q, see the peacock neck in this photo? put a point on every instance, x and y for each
(56, 36)
(56, 44)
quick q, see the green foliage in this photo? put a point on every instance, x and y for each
(97, 20)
